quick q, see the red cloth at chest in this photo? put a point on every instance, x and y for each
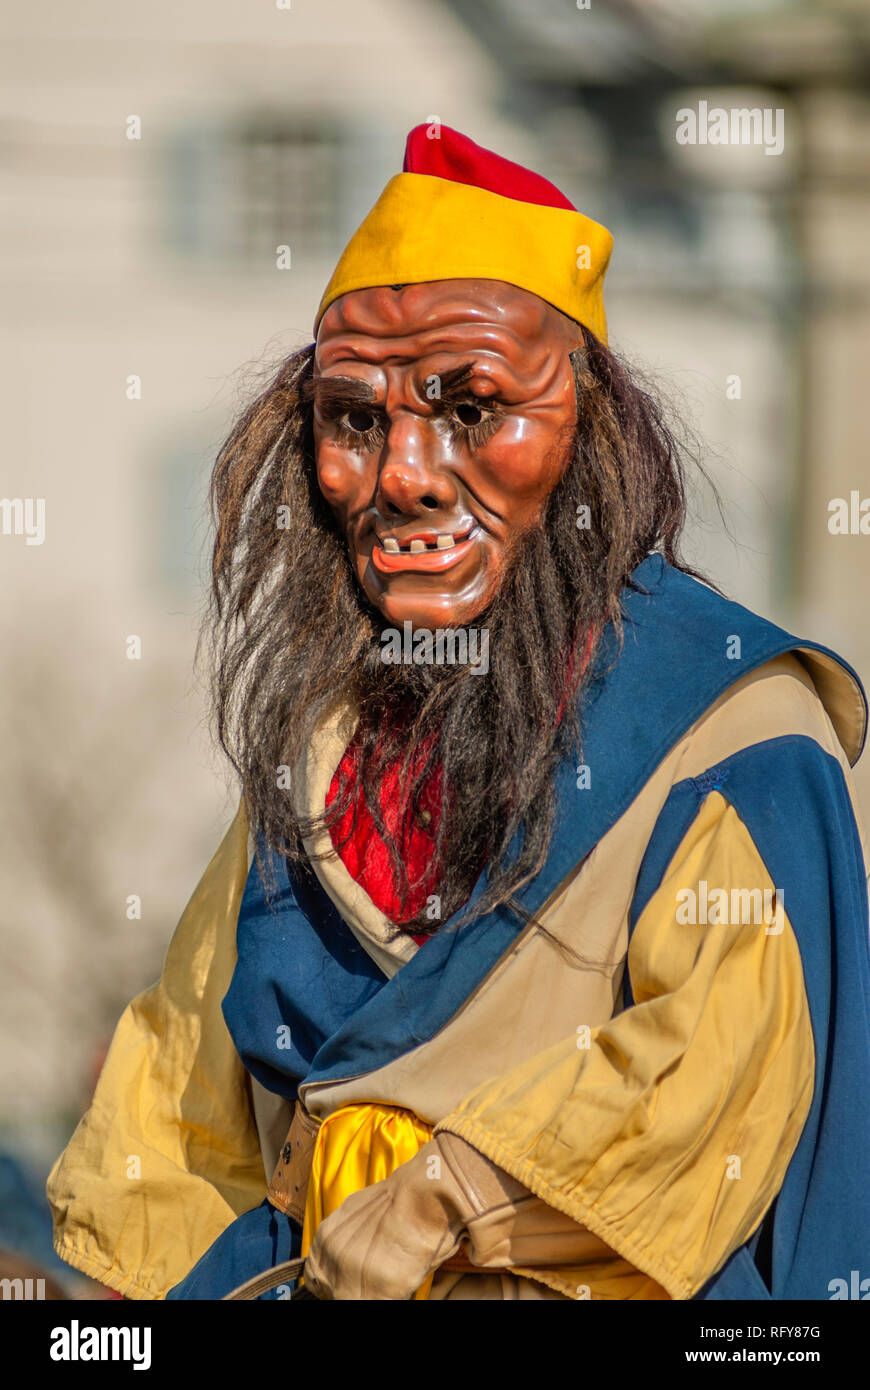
(365, 856)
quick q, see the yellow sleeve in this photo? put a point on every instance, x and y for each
(167, 1155)
(669, 1135)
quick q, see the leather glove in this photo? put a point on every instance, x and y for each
(385, 1240)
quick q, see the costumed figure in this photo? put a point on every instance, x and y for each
(535, 962)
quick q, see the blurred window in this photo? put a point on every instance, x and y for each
(238, 191)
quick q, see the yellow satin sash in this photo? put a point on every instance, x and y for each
(356, 1146)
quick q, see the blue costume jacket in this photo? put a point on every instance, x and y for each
(357, 1032)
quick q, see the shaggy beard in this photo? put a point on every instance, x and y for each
(492, 739)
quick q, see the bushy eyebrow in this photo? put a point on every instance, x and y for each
(332, 391)
(335, 393)
(451, 384)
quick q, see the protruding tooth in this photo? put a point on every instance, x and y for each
(417, 546)
(391, 544)
(444, 542)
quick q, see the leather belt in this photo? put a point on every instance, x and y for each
(289, 1186)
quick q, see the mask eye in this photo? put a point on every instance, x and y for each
(475, 424)
(469, 415)
(360, 421)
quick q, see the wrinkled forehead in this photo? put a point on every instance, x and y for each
(405, 323)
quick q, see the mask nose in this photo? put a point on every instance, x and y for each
(412, 479)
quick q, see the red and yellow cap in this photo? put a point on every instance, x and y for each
(458, 211)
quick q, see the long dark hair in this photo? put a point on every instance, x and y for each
(292, 634)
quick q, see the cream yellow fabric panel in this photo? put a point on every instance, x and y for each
(669, 1136)
(575, 965)
(168, 1154)
(313, 769)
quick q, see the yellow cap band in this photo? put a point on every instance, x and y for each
(427, 228)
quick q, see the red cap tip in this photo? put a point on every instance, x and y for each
(453, 156)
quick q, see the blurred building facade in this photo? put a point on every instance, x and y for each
(140, 274)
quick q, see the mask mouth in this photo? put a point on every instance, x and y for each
(422, 541)
(426, 553)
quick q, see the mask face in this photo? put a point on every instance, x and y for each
(444, 416)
